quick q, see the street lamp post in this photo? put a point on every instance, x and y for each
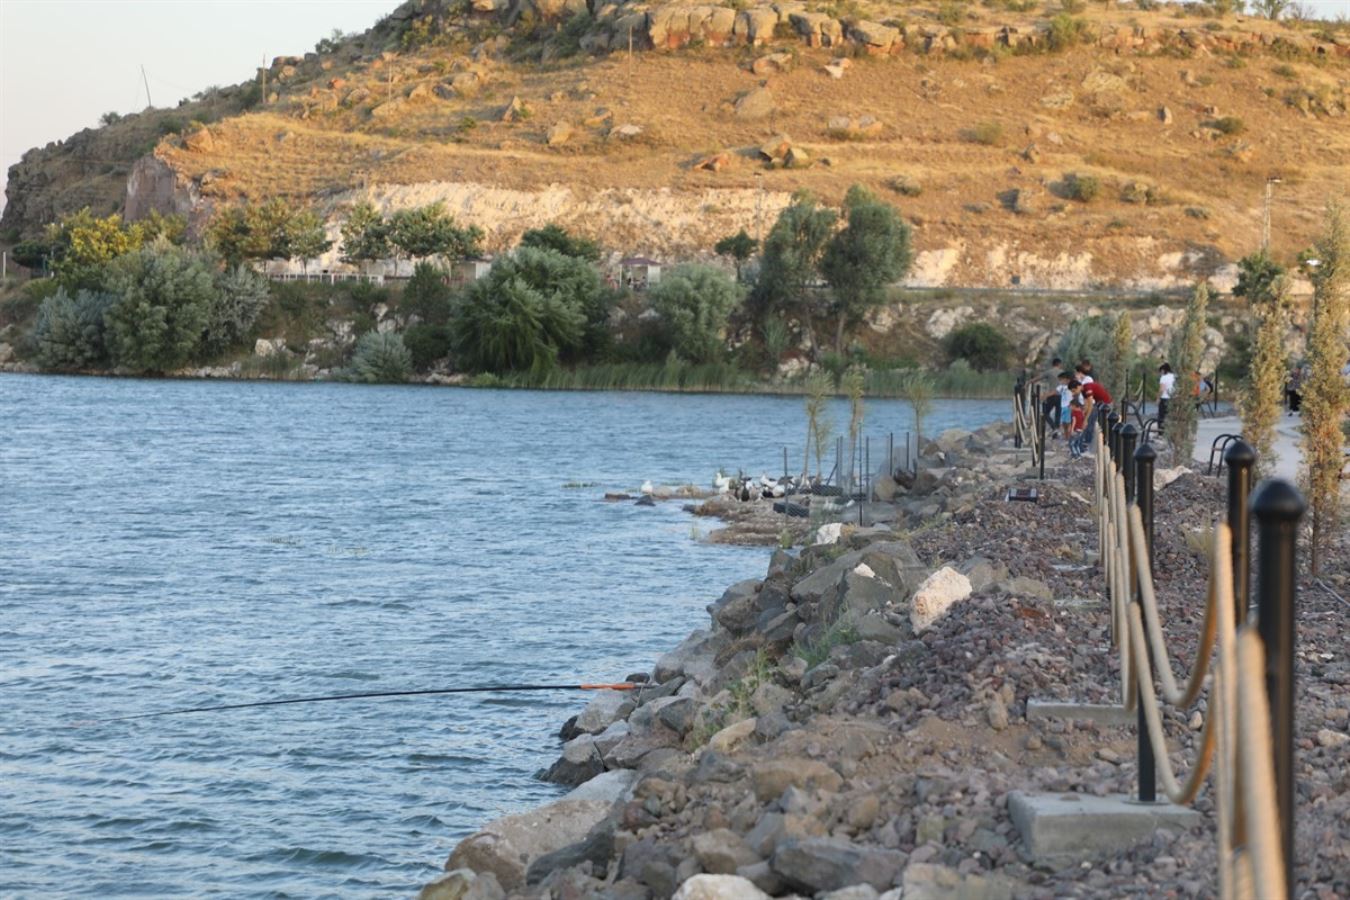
(1265, 218)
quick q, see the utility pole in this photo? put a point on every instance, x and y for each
(146, 82)
(262, 77)
(1265, 219)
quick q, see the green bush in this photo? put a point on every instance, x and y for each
(69, 331)
(986, 133)
(695, 301)
(381, 359)
(506, 324)
(982, 345)
(427, 344)
(1067, 31)
(165, 294)
(1083, 188)
(1227, 125)
(241, 295)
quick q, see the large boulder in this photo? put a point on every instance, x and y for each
(935, 596)
(695, 657)
(773, 776)
(828, 864)
(506, 846)
(605, 708)
(462, 884)
(738, 608)
(755, 104)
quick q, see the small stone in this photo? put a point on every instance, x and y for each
(1328, 738)
(863, 813)
(998, 714)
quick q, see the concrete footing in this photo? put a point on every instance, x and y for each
(1067, 827)
(1102, 714)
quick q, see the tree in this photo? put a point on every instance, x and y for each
(427, 295)
(573, 281)
(818, 426)
(306, 237)
(164, 302)
(69, 331)
(1271, 9)
(365, 235)
(982, 345)
(82, 246)
(256, 231)
(555, 237)
(1115, 366)
(695, 302)
(739, 246)
(1257, 274)
(1326, 397)
(791, 262)
(431, 231)
(1188, 347)
(172, 228)
(861, 259)
(269, 229)
(240, 297)
(1260, 401)
(504, 324)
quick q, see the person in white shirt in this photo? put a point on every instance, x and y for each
(1167, 383)
(1083, 373)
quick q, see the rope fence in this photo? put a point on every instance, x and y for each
(1246, 742)
(1029, 422)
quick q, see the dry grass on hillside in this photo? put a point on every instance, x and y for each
(959, 130)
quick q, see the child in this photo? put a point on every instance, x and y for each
(1077, 417)
(1064, 403)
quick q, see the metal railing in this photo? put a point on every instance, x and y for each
(1247, 738)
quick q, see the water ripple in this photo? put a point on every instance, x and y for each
(170, 544)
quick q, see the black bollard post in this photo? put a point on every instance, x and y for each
(1278, 506)
(1144, 459)
(1139, 477)
(1240, 457)
(1113, 440)
(1129, 436)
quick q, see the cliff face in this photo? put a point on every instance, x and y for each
(525, 112)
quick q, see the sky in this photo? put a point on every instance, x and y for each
(63, 63)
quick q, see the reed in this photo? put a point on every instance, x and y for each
(956, 382)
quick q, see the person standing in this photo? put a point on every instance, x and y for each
(1167, 385)
(1050, 402)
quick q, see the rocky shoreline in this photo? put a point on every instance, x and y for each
(852, 725)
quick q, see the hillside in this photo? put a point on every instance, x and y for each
(972, 118)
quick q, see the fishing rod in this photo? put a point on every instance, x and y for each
(371, 695)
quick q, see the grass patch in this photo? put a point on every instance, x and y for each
(813, 653)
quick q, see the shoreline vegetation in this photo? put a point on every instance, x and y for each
(148, 298)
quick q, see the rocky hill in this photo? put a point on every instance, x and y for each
(1059, 149)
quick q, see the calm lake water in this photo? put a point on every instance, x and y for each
(173, 543)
